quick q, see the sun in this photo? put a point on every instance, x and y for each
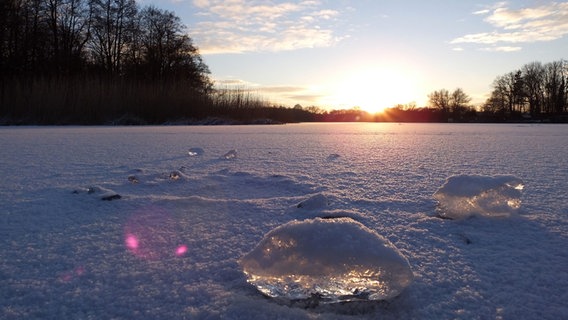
(374, 89)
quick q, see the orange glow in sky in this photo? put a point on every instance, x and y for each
(374, 88)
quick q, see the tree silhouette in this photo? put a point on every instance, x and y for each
(168, 53)
(113, 30)
(87, 61)
(539, 90)
(440, 100)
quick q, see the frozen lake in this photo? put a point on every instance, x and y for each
(66, 254)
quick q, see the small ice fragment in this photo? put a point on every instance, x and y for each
(333, 156)
(175, 175)
(232, 154)
(91, 190)
(463, 196)
(318, 201)
(193, 152)
(334, 260)
(102, 193)
(110, 197)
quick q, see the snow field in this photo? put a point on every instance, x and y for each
(68, 255)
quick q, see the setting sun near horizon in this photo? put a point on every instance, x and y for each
(374, 88)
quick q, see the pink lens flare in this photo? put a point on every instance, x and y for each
(181, 250)
(131, 242)
(72, 274)
(153, 234)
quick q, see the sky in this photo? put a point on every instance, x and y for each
(367, 53)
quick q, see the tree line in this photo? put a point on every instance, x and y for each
(536, 90)
(110, 61)
(452, 106)
(114, 38)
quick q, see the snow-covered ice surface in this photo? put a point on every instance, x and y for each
(169, 246)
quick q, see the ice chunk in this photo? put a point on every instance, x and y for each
(193, 152)
(232, 154)
(463, 196)
(111, 196)
(332, 260)
(133, 179)
(175, 175)
(333, 156)
(318, 201)
(102, 193)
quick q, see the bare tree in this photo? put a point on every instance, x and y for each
(455, 104)
(114, 23)
(459, 101)
(496, 104)
(440, 100)
(169, 53)
(555, 78)
(539, 89)
(75, 32)
(504, 89)
(68, 24)
(519, 95)
(24, 46)
(533, 84)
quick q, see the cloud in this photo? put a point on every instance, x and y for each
(293, 94)
(516, 26)
(236, 26)
(501, 49)
(484, 11)
(278, 93)
(283, 89)
(306, 99)
(222, 83)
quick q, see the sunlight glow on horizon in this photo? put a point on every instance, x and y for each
(367, 86)
(373, 88)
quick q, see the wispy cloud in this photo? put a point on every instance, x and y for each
(236, 26)
(294, 94)
(501, 49)
(516, 26)
(286, 94)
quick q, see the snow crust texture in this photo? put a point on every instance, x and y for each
(463, 196)
(333, 260)
(315, 202)
(170, 246)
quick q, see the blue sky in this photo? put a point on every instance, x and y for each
(370, 53)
